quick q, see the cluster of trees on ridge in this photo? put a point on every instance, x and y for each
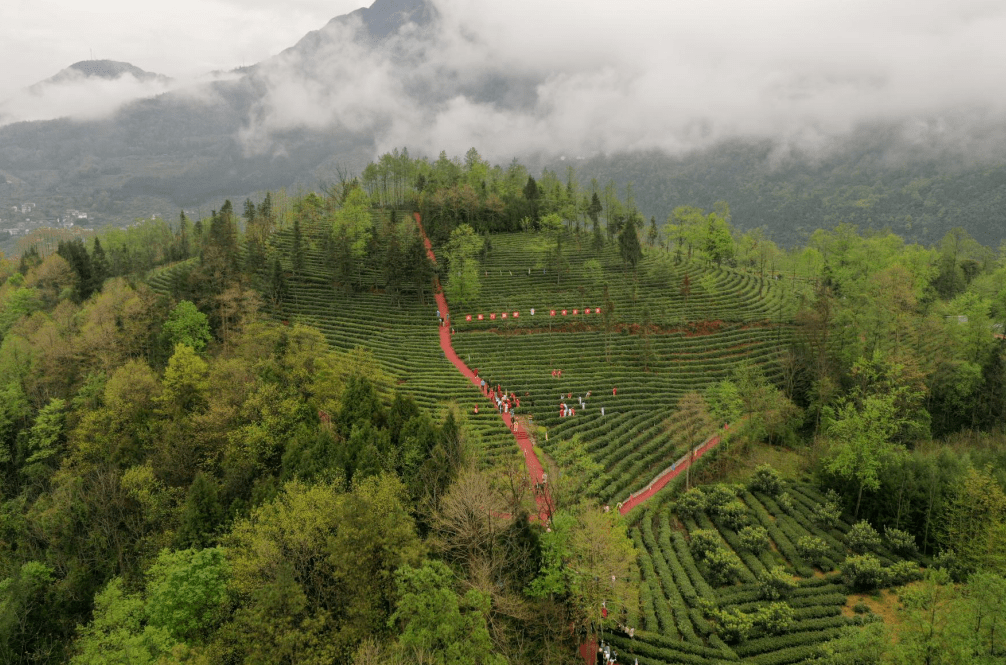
(143, 439)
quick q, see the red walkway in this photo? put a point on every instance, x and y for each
(669, 475)
(523, 440)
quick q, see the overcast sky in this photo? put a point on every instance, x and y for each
(179, 38)
(610, 75)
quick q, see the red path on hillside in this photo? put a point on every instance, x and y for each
(669, 475)
(523, 440)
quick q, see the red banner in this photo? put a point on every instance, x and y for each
(564, 312)
(553, 313)
(504, 315)
(468, 318)
(597, 310)
(516, 314)
(492, 316)
(575, 312)
(586, 311)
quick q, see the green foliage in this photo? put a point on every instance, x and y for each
(863, 436)
(901, 542)
(765, 479)
(775, 583)
(691, 503)
(704, 541)
(732, 625)
(719, 495)
(187, 325)
(812, 548)
(862, 537)
(118, 633)
(829, 513)
(733, 513)
(185, 382)
(26, 621)
(863, 572)
(753, 538)
(186, 591)
(435, 621)
(774, 618)
(45, 440)
(464, 281)
(722, 566)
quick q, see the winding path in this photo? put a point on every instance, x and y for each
(669, 474)
(534, 468)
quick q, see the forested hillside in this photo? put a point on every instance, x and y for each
(236, 439)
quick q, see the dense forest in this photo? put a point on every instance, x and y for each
(193, 474)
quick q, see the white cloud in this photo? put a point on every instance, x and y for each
(642, 74)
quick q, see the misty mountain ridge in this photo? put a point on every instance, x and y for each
(99, 69)
(376, 78)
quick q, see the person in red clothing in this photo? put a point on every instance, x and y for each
(476, 409)
(553, 373)
(613, 391)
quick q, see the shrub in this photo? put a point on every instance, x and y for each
(766, 480)
(900, 542)
(862, 537)
(734, 513)
(705, 541)
(775, 583)
(863, 573)
(785, 502)
(732, 625)
(719, 495)
(754, 538)
(861, 608)
(691, 503)
(812, 549)
(774, 618)
(902, 572)
(827, 514)
(722, 566)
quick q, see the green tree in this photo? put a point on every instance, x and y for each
(186, 591)
(628, 244)
(974, 522)
(435, 622)
(187, 325)
(464, 283)
(862, 441)
(27, 622)
(185, 382)
(45, 441)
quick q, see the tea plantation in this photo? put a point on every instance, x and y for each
(741, 575)
(726, 573)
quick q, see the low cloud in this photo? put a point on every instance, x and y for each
(568, 78)
(79, 97)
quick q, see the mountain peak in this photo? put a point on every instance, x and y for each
(101, 69)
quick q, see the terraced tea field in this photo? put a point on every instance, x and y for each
(403, 338)
(671, 626)
(693, 342)
(515, 278)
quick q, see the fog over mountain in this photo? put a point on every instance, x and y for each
(559, 83)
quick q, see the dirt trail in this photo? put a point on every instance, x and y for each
(534, 468)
